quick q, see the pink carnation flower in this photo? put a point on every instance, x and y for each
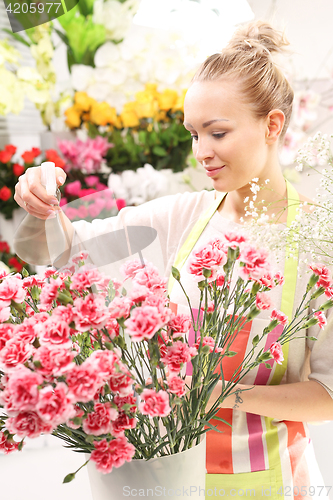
(207, 341)
(321, 318)
(12, 289)
(144, 322)
(155, 404)
(15, 352)
(276, 352)
(55, 406)
(210, 256)
(255, 263)
(279, 316)
(22, 390)
(107, 455)
(83, 381)
(263, 301)
(90, 312)
(7, 445)
(85, 277)
(179, 324)
(55, 361)
(177, 354)
(98, 422)
(176, 385)
(28, 424)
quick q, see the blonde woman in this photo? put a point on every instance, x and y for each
(237, 109)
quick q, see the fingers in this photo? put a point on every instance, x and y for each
(32, 196)
(61, 176)
(50, 212)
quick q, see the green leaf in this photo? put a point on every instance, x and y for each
(159, 151)
(17, 37)
(69, 478)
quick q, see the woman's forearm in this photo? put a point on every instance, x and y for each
(300, 401)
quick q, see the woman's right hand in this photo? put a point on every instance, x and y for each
(32, 196)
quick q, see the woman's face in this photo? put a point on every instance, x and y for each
(228, 140)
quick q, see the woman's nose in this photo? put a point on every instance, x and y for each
(202, 151)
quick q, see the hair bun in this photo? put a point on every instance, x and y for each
(258, 35)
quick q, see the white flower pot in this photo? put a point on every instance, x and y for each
(175, 476)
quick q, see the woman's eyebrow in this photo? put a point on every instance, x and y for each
(206, 124)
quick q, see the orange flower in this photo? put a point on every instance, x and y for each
(73, 117)
(101, 113)
(83, 102)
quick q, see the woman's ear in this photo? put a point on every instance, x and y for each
(275, 121)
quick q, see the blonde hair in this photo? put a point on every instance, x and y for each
(248, 57)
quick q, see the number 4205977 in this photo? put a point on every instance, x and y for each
(304, 491)
(32, 8)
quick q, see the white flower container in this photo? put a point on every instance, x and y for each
(174, 476)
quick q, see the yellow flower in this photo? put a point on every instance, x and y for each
(73, 117)
(83, 101)
(179, 105)
(129, 116)
(101, 113)
(167, 99)
(151, 88)
(145, 104)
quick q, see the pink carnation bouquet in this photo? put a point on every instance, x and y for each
(102, 365)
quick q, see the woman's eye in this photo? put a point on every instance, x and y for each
(219, 136)
(194, 137)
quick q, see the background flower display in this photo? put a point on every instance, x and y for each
(11, 262)
(148, 130)
(90, 24)
(101, 366)
(10, 171)
(36, 83)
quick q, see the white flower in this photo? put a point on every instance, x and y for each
(82, 76)
(116, 17)
(138, 187)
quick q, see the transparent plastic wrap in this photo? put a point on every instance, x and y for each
(37, 241)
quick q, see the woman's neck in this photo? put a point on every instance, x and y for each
(272, 196)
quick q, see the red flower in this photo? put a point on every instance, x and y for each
(18, 169)
(36, 152)
(28, 157)
(13, 262)
(4, 247)
(52, 155)
(5, 156)
(5, 193)
(10, 148)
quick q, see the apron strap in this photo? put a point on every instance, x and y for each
(290, 280)
(193, 237)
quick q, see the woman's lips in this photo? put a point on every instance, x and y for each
(211, 171)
